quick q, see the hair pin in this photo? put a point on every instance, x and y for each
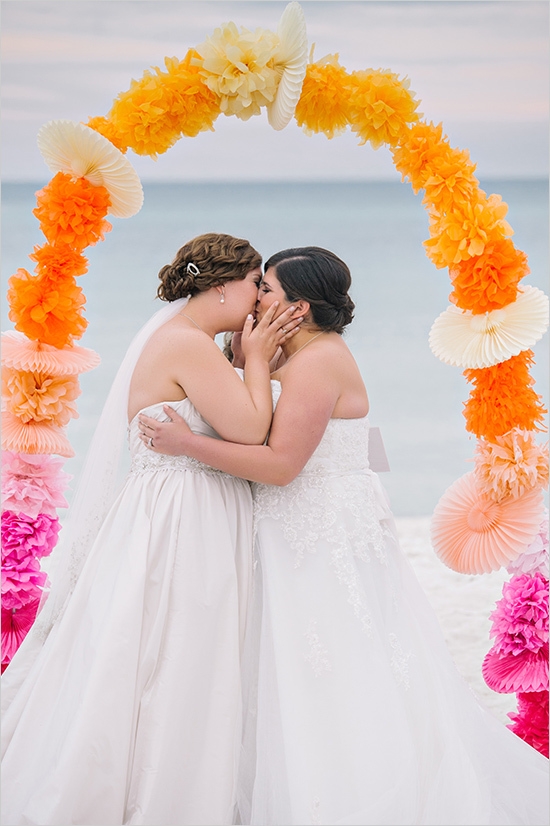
(192, 269)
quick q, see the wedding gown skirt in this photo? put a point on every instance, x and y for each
(357, 712)
(132, 712)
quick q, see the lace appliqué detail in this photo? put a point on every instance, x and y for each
(317, 656)
(151, 462)
(399, 662)
(331, 506)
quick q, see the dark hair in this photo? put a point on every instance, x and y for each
(205, 262)
(319, 277)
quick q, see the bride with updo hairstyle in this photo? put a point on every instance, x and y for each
(123, 705)
(206, 261)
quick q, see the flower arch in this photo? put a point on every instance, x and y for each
(490, 518)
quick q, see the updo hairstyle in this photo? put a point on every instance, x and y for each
(319, 277)
(216, 258)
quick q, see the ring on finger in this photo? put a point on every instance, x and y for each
(151, 442)
(284, 330)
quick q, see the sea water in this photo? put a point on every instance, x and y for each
(377, 228)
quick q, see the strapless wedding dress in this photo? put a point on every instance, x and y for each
(132, 712)
(357, 714)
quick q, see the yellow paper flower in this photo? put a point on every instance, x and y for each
(239, 68)
(107, 128)
(464, 231)
(324, 102)
(381, 107)
(156, 110)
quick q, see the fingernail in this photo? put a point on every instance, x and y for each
(249, 316)
(275, 303)
(292, 309)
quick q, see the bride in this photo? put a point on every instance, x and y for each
(130, 711)
(356, 713)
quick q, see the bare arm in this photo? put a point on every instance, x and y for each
(301, 417)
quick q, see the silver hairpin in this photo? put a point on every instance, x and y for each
(192, 269)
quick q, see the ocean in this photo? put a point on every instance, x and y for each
(377, 228)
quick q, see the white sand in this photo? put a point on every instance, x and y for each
(462, 604)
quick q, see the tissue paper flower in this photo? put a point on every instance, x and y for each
(289, 61)
(20, 586)
(33, 437)
(465, 230)
(503, 398)
(523, 671)
(324, 102)
(33, 484)
(25, 536)
(380, 106)
(72, 211)
(520, 619)
(488, 281)
(58, 260)
(531, 720)
(510, 465)
(39, 397)
(46, 309)
(238, 67)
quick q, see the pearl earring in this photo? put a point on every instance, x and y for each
(222, 299)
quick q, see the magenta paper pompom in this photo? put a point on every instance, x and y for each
(531, 720)
(22, 585)
(535, 558)
(509, 673)
(520, 619)
(24, 537)
(15, 627)
(33, 484)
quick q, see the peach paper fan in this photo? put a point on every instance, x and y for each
(82, 152)
(21, 353)
(509, 673)
(291, 58)
(33, 437)
(473, 534)
(460, 338)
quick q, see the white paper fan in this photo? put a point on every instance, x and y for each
(291, 57)
(78, 150)
(463, 339)
(22, 353)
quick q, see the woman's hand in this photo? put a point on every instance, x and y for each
(270, 333)
(165, 437)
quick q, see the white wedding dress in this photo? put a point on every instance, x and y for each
(131, 713)
(357, 714)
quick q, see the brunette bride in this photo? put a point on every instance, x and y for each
(356, 713)
(124, 702)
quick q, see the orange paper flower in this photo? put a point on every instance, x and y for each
(71, 211)
(324, 103)
(511, 465)
(39, 397)
(152, 115)
(381, 107)
(503, 398)
(464, 231)
(106, 127)
(426, 158)
(488, 281)
(46, 309)
(58, 260)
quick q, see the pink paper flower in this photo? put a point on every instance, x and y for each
(520, 619)
(510, 464)
(535, 559)
(531, 720)
(22, 585)
(25, 538)
(15, 627)
(33, 484)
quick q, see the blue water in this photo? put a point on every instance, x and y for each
(377, 228)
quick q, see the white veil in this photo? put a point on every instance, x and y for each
(93, 497)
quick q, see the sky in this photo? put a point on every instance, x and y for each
(480, 68)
